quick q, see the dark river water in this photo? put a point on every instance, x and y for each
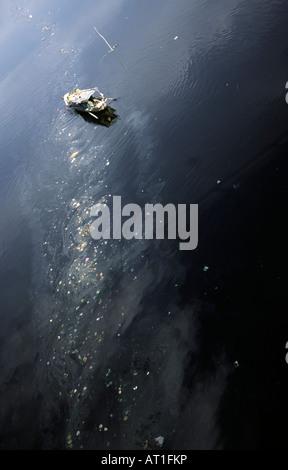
(113, 344)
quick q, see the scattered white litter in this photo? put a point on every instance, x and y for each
(159, 440)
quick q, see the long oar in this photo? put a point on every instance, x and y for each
(111, 49)
(92, 115)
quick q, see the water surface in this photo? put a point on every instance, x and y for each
(111, 344)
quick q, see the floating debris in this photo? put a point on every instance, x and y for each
(86, 232)
(69, 440)
(159, 440)
(205, 268)
(81, 246)
(74, 155)
(98, 337)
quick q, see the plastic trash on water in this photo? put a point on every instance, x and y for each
(159, 440)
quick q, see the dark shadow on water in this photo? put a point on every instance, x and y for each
(104, 118)
(242, 298)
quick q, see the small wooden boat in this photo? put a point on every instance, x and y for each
(84, 101)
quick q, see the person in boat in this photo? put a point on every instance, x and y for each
(66, 97)
(83, 100)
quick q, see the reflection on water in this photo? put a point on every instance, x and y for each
(128, 341)
(97, 291)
